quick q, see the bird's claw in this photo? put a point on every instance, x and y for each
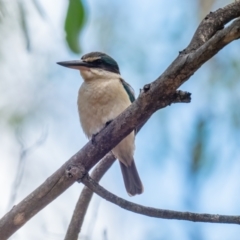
(95, 134)
(108, 122)
(93, 138)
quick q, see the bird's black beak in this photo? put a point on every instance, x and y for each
(77, 64)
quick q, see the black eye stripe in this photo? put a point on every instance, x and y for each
(101, 61)
(98, 61)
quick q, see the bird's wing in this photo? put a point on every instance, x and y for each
(129, 90)
(131, 95)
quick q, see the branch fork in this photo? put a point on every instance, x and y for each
(76, 172)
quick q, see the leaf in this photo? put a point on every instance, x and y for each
(74, 23)
(199, 146)
(16, 119)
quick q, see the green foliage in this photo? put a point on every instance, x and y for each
(16, 120)
(199, 146)
(74, 23)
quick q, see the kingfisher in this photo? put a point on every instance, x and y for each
(102, 96)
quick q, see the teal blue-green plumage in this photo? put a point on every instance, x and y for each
(129, 90)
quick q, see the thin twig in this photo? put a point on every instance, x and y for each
(154, 212)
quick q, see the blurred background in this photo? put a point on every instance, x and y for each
(187, 154)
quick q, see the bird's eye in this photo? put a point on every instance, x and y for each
(98, 61)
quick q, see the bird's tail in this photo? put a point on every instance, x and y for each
(131, 179)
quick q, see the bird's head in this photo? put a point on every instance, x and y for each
(94, 66)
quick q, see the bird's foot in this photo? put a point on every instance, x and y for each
(108, 122)
(95, 134)
(93, 138)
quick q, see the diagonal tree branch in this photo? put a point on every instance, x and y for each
(156, 95)
(154, 212)
(85, 197)
(213, 22)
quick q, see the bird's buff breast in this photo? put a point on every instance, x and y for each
(100, 102)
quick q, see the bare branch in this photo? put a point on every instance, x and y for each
(213, 22)
(152, 98)
(85, 197)
(154, 212)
